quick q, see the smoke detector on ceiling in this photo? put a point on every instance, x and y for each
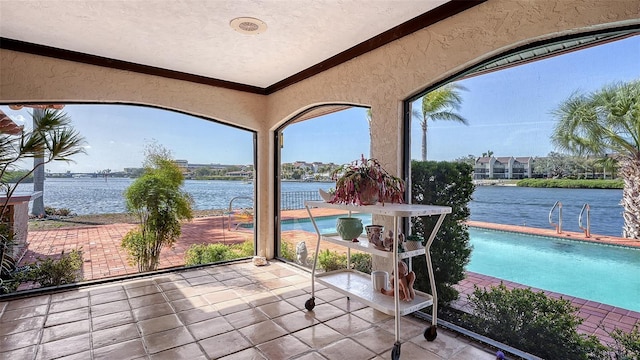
(248, 25)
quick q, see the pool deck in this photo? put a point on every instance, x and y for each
(104, 258)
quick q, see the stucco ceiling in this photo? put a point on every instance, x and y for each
(195, 36)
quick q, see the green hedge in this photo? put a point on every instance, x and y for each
(570, 183)
(448, 184)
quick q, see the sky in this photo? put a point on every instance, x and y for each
(509, 113)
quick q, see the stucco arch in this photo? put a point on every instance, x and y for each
(382, 78)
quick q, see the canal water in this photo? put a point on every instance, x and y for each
(499, 204)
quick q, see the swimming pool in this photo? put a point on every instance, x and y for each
(602, 273)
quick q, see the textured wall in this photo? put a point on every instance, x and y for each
(380, 79)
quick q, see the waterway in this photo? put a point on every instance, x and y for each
(499, 204)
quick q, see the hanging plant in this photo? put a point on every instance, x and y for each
(365, 182)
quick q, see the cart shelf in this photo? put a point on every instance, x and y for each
(358, 286)
(364, 245)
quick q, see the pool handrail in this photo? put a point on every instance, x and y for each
(557, 226)
(587, 230)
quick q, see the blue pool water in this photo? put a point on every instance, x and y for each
(602, 273)
(326, 224)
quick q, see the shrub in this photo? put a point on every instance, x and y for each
(361, 262)
(626, 346)
(50, 272)
(287, 251)
(206, 254)
(531, 322)
(448, 184)
(159, 203)
(48, 210)
(331, 260)
(246, 249)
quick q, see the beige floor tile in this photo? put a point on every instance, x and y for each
(67, 317)
(231, 306)
(224, 344)
(277, 309)
(19, 340)
(131, 284)
(189, 303)
(311, 356)
(65, 330)
(329, 295)
(23, 313)
(472, 353)
(64, 347)
(244, 318)
(348, 324)
(220, 296)
(71, 304)
(300, 300)
(78, 356)
(111, 320)
(187, 352)
(142, 291)
(152, 311)
(296, 321)
(107, 297)
(131, 349)
(372, 315)
(158, 324)
(288, 292)
(262, 332)
(23, 353)
(109, 308)
(261, 299)
(347, 349)
(412, 351)
(69, 295)
(167, 339)
(247, 354)
(348, 306)
(28, 302)
(147, 300)
(318, 336)
(208, 328)
(237, 282)
(409, 329)
(285, 347)
(12, 327)
(375, 339)
(444, 346)
(193, 316)
(114, 335)
(326, 311)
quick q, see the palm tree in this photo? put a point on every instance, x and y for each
(52, 137)
(607, 120)
(439, 104)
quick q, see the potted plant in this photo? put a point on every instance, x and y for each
(365, 182)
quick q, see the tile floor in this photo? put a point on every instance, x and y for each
(235, 311)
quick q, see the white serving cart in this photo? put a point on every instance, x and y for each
(359, 285)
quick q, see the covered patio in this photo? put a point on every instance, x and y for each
(308, 58)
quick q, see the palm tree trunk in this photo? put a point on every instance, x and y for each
(630, 171)
(424, 139)
(37, 208)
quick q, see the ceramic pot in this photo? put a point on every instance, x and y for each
(349, 228)
(369, 194)
(375, 235)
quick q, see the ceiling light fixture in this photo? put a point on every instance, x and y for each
(248, 25)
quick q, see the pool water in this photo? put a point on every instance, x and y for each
(326, 224)
(603, 273)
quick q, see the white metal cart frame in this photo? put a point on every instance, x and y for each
(358, 285)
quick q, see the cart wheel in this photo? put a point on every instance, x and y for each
(310, 304)
(431, 333)
(395, 353)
